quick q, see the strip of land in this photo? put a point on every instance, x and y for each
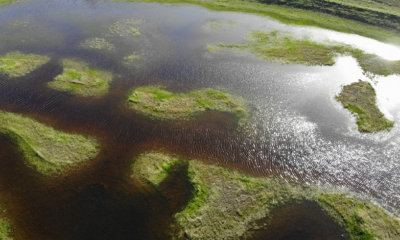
(16, 64)
(360, 99)
(359, 20)
(46, 149)
(5, 2)
(78, 78)
(225, 202)
(159, 103)
(280, 47)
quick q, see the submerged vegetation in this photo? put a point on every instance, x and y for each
(16, 64)
(153, 167)
(98, 43)
(160, 103)
(276, 46)
(293, 14)
(46, 149)
(216, 26)
(125, 28)
(79, 78)
(226, 203)
(360, 99)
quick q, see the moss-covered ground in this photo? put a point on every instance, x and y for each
(226, 203)
(78, 78)
(157, 102)
(293, 14)
(16, 64)
(360, 99)
(280, 47)
(98, 43)
(5, 228)
(46, 149)
(153, 167)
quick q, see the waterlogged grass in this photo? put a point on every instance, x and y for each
(78, 78)
(125, 28)
(157, 102)
(98, 43)
(4, 2)
(288, 14)
(276, 46)
(131, 58)
(16, 64)
(153, 167)
(360, 99)
(45, 149)
(216, 26)
(362, 219)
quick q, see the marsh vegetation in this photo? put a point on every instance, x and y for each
(16, 64)
(45, 149)
(159, 103)
(78, 78)
(360, 99)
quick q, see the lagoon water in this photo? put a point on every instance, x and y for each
(298, 132)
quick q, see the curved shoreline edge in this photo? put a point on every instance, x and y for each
(224, 202)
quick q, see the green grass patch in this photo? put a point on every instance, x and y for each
(360, 99)
(279, 47)
(16, 64)
(291, 15)
(362, 219)
(46, 149)
(78, 78)
(160, 103)
(5, 229)
(124, 28)
(154, 167)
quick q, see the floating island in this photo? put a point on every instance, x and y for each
(225, 202)
(78, 78)
(360, 99)
(16, 64)
(159, 103)
(45, 149)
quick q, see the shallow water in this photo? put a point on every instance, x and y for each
(299, 132)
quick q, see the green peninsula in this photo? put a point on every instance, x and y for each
(360, 99)
(16, 64)
(279, 47)
(46, 149)
(159, 103)
(5, 2)
(78, 78)
(225, 203)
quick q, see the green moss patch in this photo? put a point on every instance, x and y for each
(362, 219)
(16, 64)
(78, 78)
(153, 167)
(45, 149)
(360, 99)
(98, 43)
(125, 28)
(160, 103)
(5, 228)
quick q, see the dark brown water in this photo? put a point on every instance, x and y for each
(298, 133)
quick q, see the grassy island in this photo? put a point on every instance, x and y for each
(46, 149)
(157, 102)
(78, 78)
(360, 99)
(276, 46)
(362, 17)
(153, 167)
(16, 64)
(225, 203)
